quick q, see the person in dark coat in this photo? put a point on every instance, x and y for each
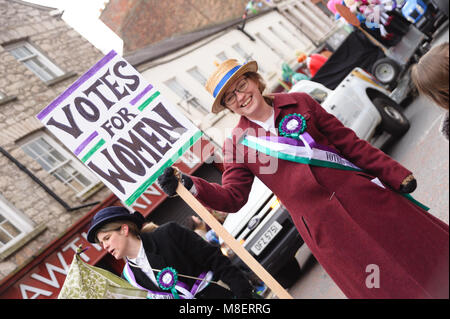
(168, 261)
(347, 199)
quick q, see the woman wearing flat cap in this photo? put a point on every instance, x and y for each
(168, 261)
(347, 199)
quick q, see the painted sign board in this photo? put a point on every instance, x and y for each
(119, 126)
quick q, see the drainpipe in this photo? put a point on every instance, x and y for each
(241, 28)
(45, 187)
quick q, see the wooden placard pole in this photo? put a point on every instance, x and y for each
(238, 249)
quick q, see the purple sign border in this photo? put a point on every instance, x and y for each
(92, 71)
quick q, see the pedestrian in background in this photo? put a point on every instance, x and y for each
(352, 218)
(430, 75)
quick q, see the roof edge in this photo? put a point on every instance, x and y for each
(34, 5)
(153, 51)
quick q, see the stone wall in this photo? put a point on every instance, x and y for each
(27, 95)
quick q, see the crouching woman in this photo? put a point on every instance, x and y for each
(168, 261)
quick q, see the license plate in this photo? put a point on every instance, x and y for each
(266, 238)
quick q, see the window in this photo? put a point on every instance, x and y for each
(287, 29)
(280, 36)
(246, 56)
(185, 95)
(196, 74)
(12, 226)
(60, 163)
(305, 42)
(322, 5)
(7, 231)
(274, 48)
(34, 60)
(222, 56)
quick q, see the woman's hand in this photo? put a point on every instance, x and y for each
(168, 181)
(408, 185)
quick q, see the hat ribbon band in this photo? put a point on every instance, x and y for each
(225, 79)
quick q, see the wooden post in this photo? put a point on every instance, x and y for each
(238, 249)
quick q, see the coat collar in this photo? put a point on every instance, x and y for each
(280, 100)
(151, 250)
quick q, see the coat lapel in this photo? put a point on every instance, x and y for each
(151, 250)
(279, 103)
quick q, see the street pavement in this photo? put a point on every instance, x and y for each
(422, 150)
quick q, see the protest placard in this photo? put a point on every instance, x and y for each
(120, 126)
(123, 129)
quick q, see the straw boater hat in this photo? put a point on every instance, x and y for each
(226, 74)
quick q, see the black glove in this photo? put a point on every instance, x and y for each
(169, 182)
(409, 187)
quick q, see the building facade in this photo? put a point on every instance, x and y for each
(42, 184)
(140, 23)
(47, 197)
(179, 66)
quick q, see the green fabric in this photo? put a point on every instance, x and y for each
(315, 162)
(293, 158)
(84, 281)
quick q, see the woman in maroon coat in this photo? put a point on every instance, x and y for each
(345, 197)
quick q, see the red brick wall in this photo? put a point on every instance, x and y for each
(115, 12)
(142, 22)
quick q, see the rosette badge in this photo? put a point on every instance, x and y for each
(292, 125)
(167, 280)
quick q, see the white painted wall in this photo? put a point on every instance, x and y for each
(276, 41)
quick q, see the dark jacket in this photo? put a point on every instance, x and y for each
(172, 245)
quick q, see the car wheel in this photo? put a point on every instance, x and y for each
(386, 71)
(289, 273)
(393, 121)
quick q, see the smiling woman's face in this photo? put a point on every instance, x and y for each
(247, 101)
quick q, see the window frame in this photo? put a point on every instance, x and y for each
(246, 56)
(18, 220)
(69, 158)
(51, 69)
(195, 73)
(185, 96)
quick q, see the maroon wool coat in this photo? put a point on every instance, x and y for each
(349, 223)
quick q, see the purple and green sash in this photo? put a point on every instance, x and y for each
(305, 150)
(183, 291)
